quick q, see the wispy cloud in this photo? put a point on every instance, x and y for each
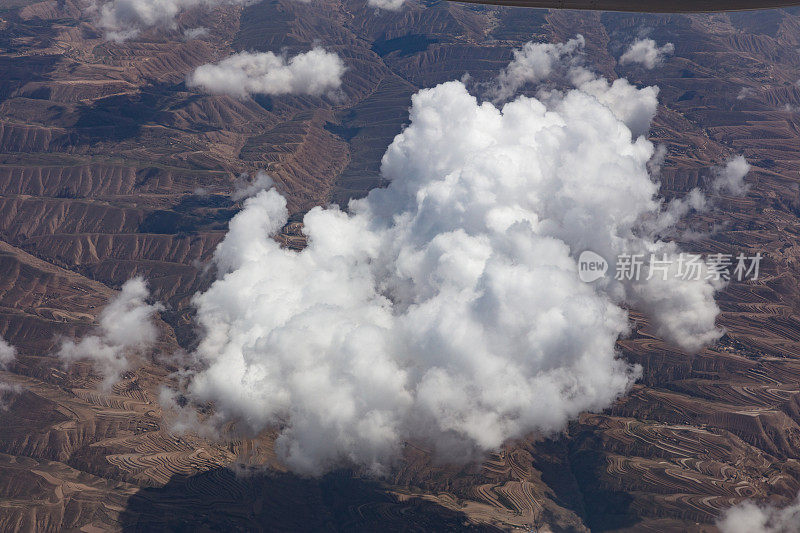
(125, 329)
(126, 19)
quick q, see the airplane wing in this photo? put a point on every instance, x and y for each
(646, 6)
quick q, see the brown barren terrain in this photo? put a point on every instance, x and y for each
(110, 168)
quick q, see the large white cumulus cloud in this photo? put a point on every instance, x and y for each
(446, 308)
(125, 329)
(315, 72)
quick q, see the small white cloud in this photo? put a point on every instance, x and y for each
(181, 417)
(195, 33)
(315, 72)
(748, 517)
(677, 209)
(647, 53)
(730, 178)
(7, 354)
(125, 329)
(7, 390)
(244, 187)
(745, 92)
(389, 5)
